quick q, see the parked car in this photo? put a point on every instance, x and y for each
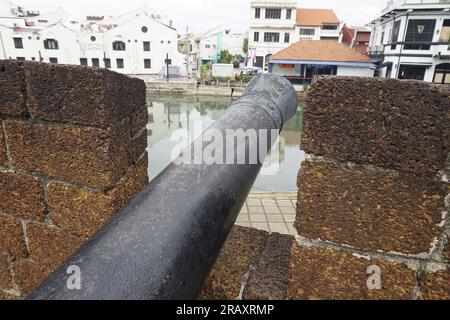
(251, 71)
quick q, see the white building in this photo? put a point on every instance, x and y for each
(410, 40)
(135, 44)
(205, 47)
(275, 25)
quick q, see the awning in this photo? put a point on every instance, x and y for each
(385, 65)
(329, 63)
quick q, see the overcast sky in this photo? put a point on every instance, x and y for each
(204, 14)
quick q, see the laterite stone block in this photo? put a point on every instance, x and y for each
(369, 209)
(270, 278)
(225, 280)
(28, 275)
(83, 212)
(12, 88)
(5, 273)
(435, 286)
(12, 239)
(3, 157)
(81, 95)
(91, 157)
(395, 124)
(139, 120)
(50, 246)
(326, 274)
(22, 196)
(446, 253)
(139, 146)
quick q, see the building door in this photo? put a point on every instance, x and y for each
(259, 62)
(442, 74)
(411, 72)
(388, 71)
(268, 57)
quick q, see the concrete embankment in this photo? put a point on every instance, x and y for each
(191, 89)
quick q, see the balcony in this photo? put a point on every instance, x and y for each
(376, 51)
(330, 33)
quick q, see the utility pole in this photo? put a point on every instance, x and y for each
(188, 53)
(167, 66)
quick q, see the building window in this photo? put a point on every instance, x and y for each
(144, 29)
(256, 37)
(329, 27)
(412, 72)
(51, 44)
(18, 43)
(257, 13)
(207, 46)
(442, 74)
(93, 39)
(107, 63)
(288, 14)
(420, 34)
(190, 48)
(83, 61)
(445, 32)
(146, 45)
(307, 32)
(147, 63)
(54, 60)
(395, 34)
(96, 62)
(286, 37)
(271, 37)
(273, 13)
(21, 58)
(119, 46)
(120, 64)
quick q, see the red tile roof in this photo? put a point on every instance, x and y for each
(320, 50)
(316, 17)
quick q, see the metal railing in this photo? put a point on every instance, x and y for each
(165, 241)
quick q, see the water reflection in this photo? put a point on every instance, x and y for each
(167, 115)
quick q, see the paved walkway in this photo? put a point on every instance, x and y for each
(272, 212)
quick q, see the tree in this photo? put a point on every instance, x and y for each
(225, 57)
(237, 60)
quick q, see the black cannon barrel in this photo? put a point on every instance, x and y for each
(165, 241)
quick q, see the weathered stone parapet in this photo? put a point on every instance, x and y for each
(72, 153)
(402, 125)
(374, 188)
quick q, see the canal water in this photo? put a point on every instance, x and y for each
(171, 115)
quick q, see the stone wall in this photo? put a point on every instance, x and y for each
(373, 212)
(72, 153)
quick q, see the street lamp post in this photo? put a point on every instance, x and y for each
(167, 66)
